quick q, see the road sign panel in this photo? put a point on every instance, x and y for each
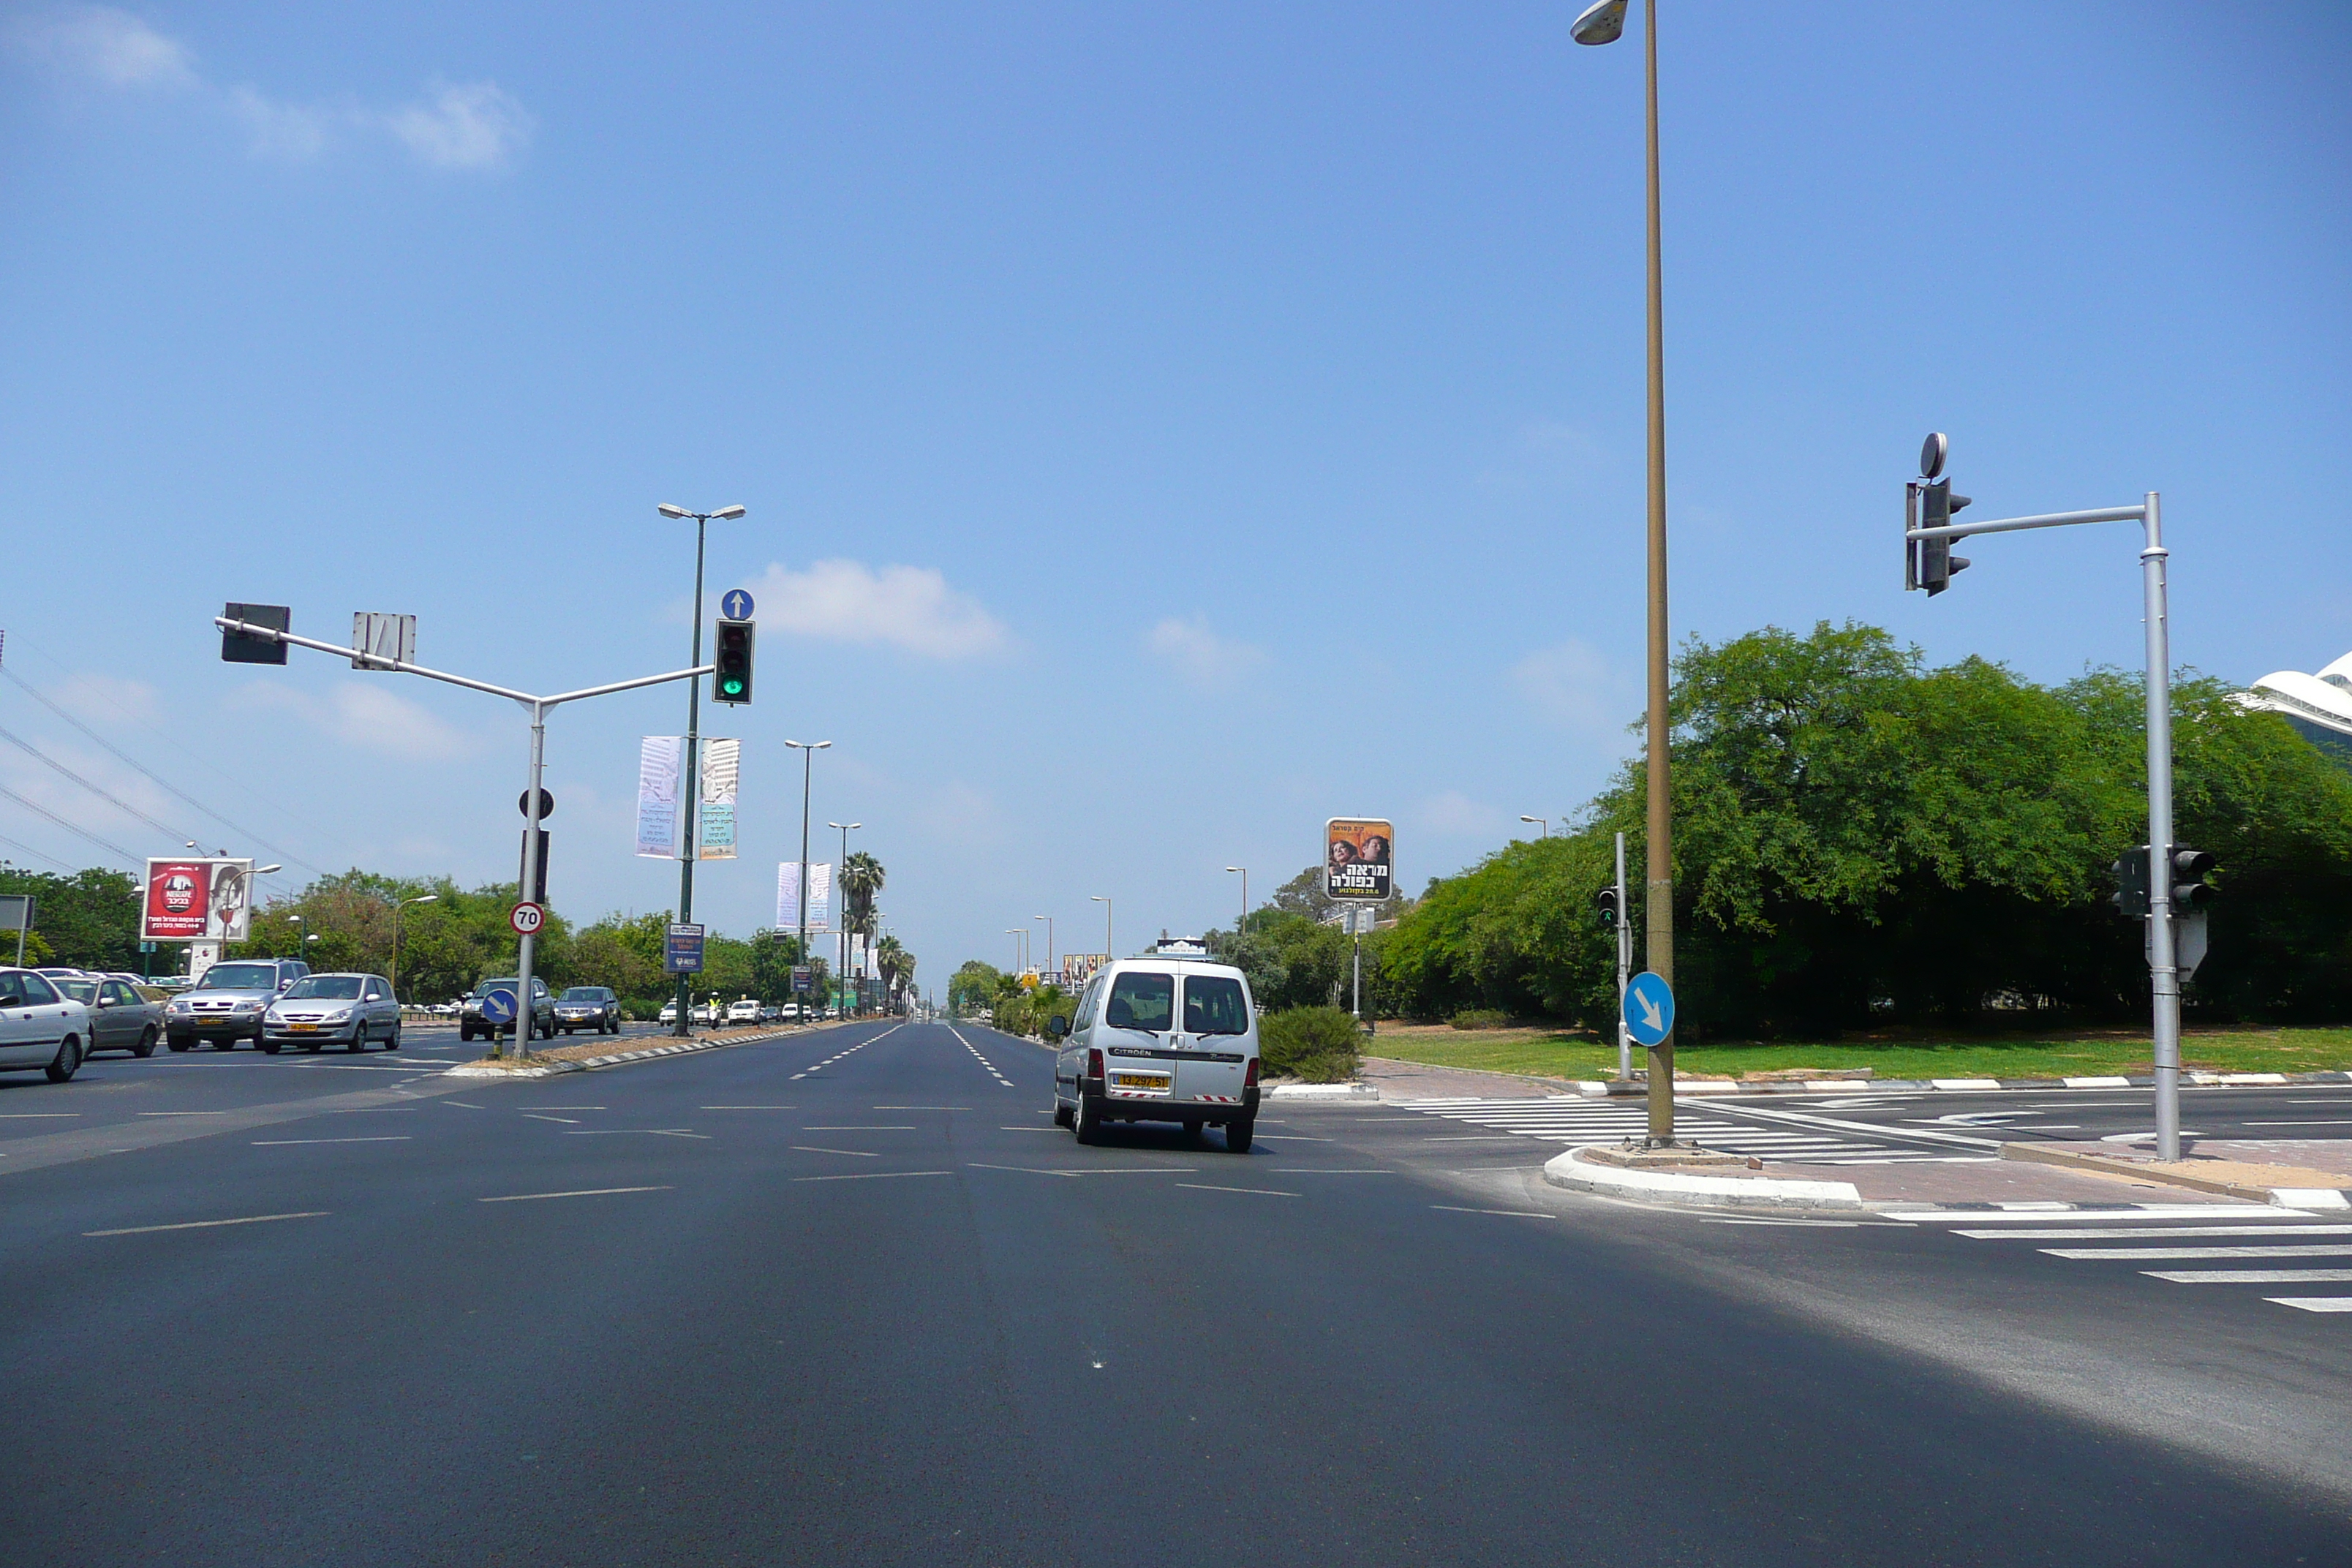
(526, 918)
(803, 978)
(546, 804)
(1649, 1009)
(735, 605)
(498, 1006)
(682, 948)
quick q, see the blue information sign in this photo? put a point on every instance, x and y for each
(735, 605)
(498, 1006)
(682, 948)
(1649, 1009)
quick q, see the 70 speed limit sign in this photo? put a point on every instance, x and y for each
(526, 918)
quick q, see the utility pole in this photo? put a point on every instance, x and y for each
(808, 752)
(690, 787)
(841, 915)
(1109, 949)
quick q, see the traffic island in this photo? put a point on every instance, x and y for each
(581, 1058)
(1691, 1177)
(2226, 1171)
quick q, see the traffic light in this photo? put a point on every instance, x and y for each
(730, 681)
(1936, 562)
(2130, 896)
(2190, 891)
(1605, 904)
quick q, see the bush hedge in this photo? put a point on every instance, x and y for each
(1321, 1045)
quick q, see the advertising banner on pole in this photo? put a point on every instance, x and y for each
(658, 761)
(682, 948)
(197, 898)
(788, 896)
(715, 815)
(820, 910)
(1356, 855)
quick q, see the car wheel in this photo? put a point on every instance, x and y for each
(68, 1060)
(267, 1048)
(1192, 1125)
(359, 1039)
(392, 1042)
(465, 1033)
(1237, 1135)
(1061, 1115)
(179, 1042)
(1086, 1121)
(146, 1046)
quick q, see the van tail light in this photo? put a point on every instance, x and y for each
(1249, 1079)
(1094, 1063)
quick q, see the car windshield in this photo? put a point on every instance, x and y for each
(1214, 1005)
(584, 993)
(240, 977)
(486, 986)
(1141, 999)
(326, 988)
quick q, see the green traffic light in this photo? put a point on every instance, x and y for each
(731, 685)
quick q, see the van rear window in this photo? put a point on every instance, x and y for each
(1214, 1005)
(1141, 1000)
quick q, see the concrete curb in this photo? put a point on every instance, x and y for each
(1742, 1193)
(1324, 1092)
(1686, 1088)
(2105, 1165)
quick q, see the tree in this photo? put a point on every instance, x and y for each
(861, 877)
(973, 986)
(89, 920)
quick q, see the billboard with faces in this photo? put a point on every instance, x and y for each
(1356, 855)
(197, 898)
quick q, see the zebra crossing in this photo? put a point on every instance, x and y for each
(1573, 1119)
(2241, 1241)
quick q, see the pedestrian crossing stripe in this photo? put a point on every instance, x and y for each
(1573, 1119)
(2162, 1241)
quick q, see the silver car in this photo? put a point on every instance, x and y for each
(350, 1009)
(121, 1019)
(227, 1004)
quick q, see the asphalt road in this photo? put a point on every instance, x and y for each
(849, 1297)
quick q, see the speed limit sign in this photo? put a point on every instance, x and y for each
(526, 918)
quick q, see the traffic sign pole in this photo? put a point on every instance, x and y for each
(533, 798)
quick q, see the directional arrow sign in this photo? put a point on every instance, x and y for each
(1649, 1008)
(735, 605)
(498, 1006)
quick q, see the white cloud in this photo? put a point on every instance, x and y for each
(370, 717)
(111, 46)
(292, 132)
(1454, 815)
(466, 125)
(1570, 685)
(1200, 655)
(909, 608)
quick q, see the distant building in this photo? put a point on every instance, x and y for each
(2320, 705)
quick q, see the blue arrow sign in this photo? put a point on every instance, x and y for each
(1649, 1009)
(498, 1006)
(735, 605)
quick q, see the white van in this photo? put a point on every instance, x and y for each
(1168, 1038)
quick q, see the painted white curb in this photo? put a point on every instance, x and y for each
(1697, 1192)
(2309, 1198)
(1325, 1091)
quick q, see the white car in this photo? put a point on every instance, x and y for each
(1170, 1037)
(668, 1013)
(747, 1010)
(40, 1026)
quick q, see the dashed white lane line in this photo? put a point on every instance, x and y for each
(465, 1105)
(290, 1142)
(2312, 1303)
(1510, 1213)
(922, 1107)
(650, 1132)
(567, 1121)
(579, 1193)
(183, 1113)
(2173, 1254)
(208, 1224)
(1256, 1192)
(873, 1175)
(812, 1149)
(861, 1127)
(1002, 1081)
(2250, 1276)
(37, 1115)
(748, 1107)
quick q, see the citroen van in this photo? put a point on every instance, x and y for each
(1172, 1036)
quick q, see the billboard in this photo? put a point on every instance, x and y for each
(197, 898)
(820, 896)
(721, 762)
(659, 760)
(1357, 851)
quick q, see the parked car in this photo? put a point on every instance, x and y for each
(668, 1013)
(227, 1004)
(120, 1018)
(1163, 1038)
(349, 1008)
(542, 1010)
(746, 1011)
(40, 1026)
(589, 1007)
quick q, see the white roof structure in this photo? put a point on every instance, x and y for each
(2323, 700)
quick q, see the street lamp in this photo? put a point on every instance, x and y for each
(1109, 951)
(1244, 872)
(808, 760)
(1049, 938)
(397, 910)
(841, 913)
(1020, 935)
(1603, 24)
(1543, 822)
(690, 790)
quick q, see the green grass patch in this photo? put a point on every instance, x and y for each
(1546, 1053)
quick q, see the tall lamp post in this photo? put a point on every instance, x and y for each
(808, 752)
(841, 921)
(690, 783)
(1604, 23)
(1542, 822)
(1244, 920)
(397, 910)
(1049, 938)
(1020, 935)
(1110, 951)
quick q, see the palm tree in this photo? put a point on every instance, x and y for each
(861, 878)
(894, 964)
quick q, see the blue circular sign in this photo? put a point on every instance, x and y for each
(498, 1006)
(1649, 1009)
(735, 605)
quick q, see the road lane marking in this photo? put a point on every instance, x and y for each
(1514, 1214)
(922, 1107)
(567, 1121)
(35, 1115)
(1259, 1191)
(2250, 1276)
(748, 1107)
(873, 1175)
(1026, 1170)
(860, 1127)
(290, 1142)
(2312, 1303)
(1054, 1130)
(208, 1224)
(580, 1192)
(650, 1132)
(812, 1149)
(1320, 1171)
(2337, 1121)
(527, 1109)
(2159, 1231)
(465, 1105)
(183, 1113)
(2162, 1254)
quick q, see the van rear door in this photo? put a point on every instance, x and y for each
(1139, 1023)
(1214, 1040)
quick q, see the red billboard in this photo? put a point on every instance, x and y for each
(197, 899)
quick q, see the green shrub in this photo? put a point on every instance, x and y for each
(1481, 1019)
(1320, 1045)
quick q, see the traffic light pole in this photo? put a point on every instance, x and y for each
(2163, 950)
(1624, 970)
(538, 707)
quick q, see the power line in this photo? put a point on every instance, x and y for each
(29, 849)
(31, 750)
(115, 849)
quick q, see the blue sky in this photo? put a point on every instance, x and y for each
(1162, 426)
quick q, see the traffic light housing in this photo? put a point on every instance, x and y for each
(1932, 565)
(730, 678)
(244, 647)
(2130, 896)
(2190, 891)
(1605, 904)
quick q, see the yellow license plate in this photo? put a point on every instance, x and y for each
(1139, 1081)
(303, 1028)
